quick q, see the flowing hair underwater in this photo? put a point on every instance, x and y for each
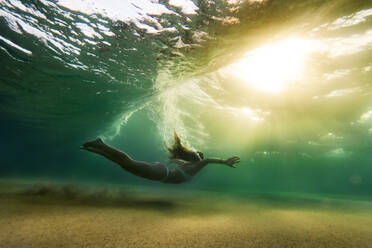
(179, 151)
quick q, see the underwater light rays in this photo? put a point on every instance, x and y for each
(272, 67)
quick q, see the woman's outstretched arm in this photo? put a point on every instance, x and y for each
(229, 162)
(195, 167)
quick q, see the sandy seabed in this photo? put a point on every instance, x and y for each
(65, 216)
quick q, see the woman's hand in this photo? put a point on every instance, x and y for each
(232, 161)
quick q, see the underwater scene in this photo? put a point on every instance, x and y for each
(214, 123)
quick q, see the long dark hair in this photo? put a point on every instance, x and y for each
(179, 151)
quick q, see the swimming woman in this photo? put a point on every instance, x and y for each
(189, 162)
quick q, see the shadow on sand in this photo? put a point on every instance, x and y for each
(72, 195)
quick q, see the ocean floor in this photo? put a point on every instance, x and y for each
(49, 215)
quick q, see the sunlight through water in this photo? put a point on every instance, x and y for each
(273, 67)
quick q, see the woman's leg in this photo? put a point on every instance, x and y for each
(152, 171)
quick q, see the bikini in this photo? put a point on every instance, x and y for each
(186, 176)
(167, 169)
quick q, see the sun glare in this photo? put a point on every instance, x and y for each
(273, 67)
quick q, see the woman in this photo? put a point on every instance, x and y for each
(189, 162)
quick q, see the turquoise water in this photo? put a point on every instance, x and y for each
(286, 85)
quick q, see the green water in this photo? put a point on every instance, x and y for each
(297, 110)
